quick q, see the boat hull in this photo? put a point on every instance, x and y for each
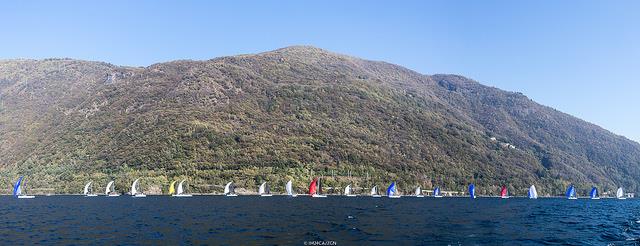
(113, 195)
(572, 198)
(91, 195)
(394, 197)
(376, 196)
(437, 196)
(419, 196)
(139, 195)
(318, 196)
(231, 195)
(350, 195)
(26, 197)
(182, 195)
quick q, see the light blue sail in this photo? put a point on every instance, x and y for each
(391, 191)
(594, 193)
(472, 191)
(571, 192)
(16, 187)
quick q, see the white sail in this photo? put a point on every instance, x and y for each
(108, 189)
(226, 187)
(86, 188)
(374, 190)
(261, 189)
(533, 194)
(180, 188)
(619, 193)
(418, 191)
(134, 187)
(19, 190)
(347, 190)
(289, 188)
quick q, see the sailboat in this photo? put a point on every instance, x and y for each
(374, 192)
(348, 191)
(180, 190)
(533, 194)
(18, 189)
(436, 192)
(571, 193)
(594, 194)
(503, 192)
(392, 191)
(88, 191)
(135, 189)
(264, 190)
(172, 189)
(230, 189)
(289, 188)
(620, 194)
(472, 191)
(109, 192)
(315, 188)
(419, 192)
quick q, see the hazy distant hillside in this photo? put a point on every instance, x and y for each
(292, 113)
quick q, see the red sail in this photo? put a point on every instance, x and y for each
(503, 192)
(312, 187)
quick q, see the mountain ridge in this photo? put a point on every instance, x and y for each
(292, 110)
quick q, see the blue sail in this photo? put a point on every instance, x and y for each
(392, 189)
(16, 187)
(571, 192)
(472, 191)
(436, 191)
(593, 193)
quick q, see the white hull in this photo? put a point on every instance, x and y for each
(394, 196)
(437, 196)
(139, 195)
(504, 197)
(595, 198)
(376, 196)
(419, 196)
(182, 195)
(573, 198)
(91, 195)
(263, 195)
(113, 195)
(26, 197)
(320, 196)
(351, 195)
(622, 198)
(231, 195)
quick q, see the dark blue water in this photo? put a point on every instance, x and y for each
(346, 221)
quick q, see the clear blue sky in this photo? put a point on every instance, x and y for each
(581, 57)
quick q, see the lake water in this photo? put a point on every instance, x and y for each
(334, 220)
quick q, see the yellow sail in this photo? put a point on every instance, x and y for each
(172, 190)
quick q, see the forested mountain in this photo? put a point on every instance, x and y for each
(291, 113)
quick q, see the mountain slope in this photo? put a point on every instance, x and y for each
(292, 113)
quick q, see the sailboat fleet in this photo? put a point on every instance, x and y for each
(315, 190)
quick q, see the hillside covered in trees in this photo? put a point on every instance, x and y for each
(291, 113)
